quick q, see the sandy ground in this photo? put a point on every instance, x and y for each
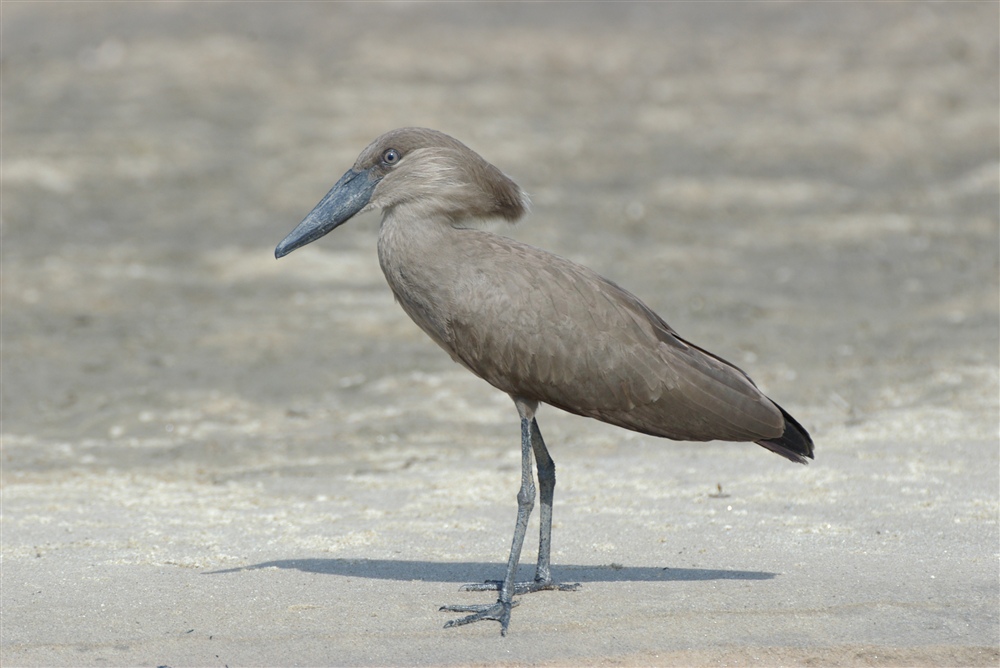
(212, 458)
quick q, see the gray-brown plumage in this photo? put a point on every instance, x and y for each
(537, 326)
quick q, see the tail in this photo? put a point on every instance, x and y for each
(795, 444)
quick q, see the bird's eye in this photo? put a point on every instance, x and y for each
(390, 157)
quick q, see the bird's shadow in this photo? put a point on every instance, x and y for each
(471, 571)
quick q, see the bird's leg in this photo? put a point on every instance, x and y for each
(546, 489)
(546, 486)
(500, 611)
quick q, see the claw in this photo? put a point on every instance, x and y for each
(498, 611)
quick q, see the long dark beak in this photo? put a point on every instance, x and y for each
(350, 195)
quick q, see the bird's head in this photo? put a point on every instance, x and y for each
(419, 172)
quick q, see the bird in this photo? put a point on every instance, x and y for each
(535, 325)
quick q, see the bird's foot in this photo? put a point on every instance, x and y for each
(521, 587)
(498, 611)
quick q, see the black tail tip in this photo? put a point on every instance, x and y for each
(795, 444)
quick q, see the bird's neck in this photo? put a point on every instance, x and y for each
(409, 244)
(418, 258)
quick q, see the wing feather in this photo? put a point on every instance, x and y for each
(541, 327)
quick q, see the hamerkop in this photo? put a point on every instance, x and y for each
(532, 324)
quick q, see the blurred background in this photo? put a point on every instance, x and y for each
(807, 189)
